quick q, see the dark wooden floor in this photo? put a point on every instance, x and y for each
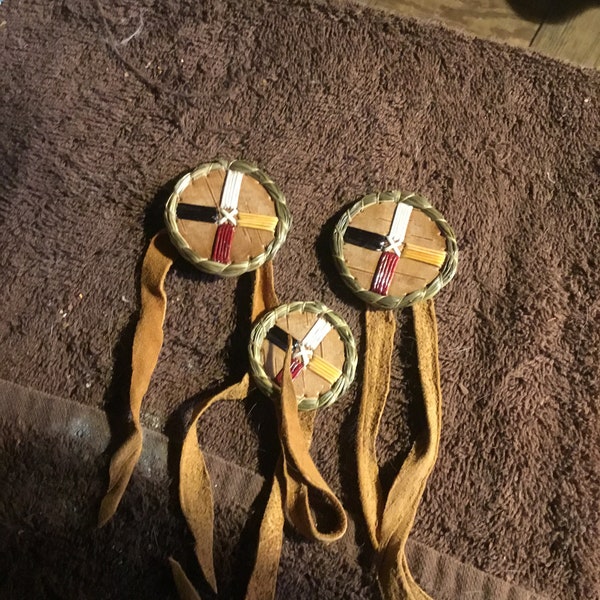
(564, 29)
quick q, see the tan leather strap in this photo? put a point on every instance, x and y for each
(195, 489)
(310, 505)
(263, 297)
(390, 518)
(270, 539)
(147, 343)
(195, 493)
(184, 586)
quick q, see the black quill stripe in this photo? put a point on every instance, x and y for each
(193, 212)
(279, 337)
(366, 239)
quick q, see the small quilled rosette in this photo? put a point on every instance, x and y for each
(394, 249)
(324, 356)
(227, 217)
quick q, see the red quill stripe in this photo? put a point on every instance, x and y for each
(221, 251)
(296, 367)
(384, 273)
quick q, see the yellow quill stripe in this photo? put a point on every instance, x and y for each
(424, 255)
(262, 222)
(324, 369)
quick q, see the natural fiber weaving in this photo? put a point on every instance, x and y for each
(268, 343)
(309, 503)
(388, 272)
(210, 203)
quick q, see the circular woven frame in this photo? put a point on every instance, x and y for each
(447, 270)
(207, 265)
(262, 327)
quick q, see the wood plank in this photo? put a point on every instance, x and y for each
(576, 40)
(493, 19)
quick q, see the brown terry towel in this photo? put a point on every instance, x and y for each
(103, 104)
(122, 560)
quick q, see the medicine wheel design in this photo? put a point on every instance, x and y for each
(227, 217)
(394, 249)
(323, 352)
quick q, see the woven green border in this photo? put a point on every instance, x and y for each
(447, 270)
(262, 327)
(284, 219)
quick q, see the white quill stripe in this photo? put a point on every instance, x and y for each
(231, 191)
(400, 223)
(316, 334)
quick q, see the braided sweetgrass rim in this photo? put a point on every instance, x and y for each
(447, 270)
(262, 327)
(284, 219)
